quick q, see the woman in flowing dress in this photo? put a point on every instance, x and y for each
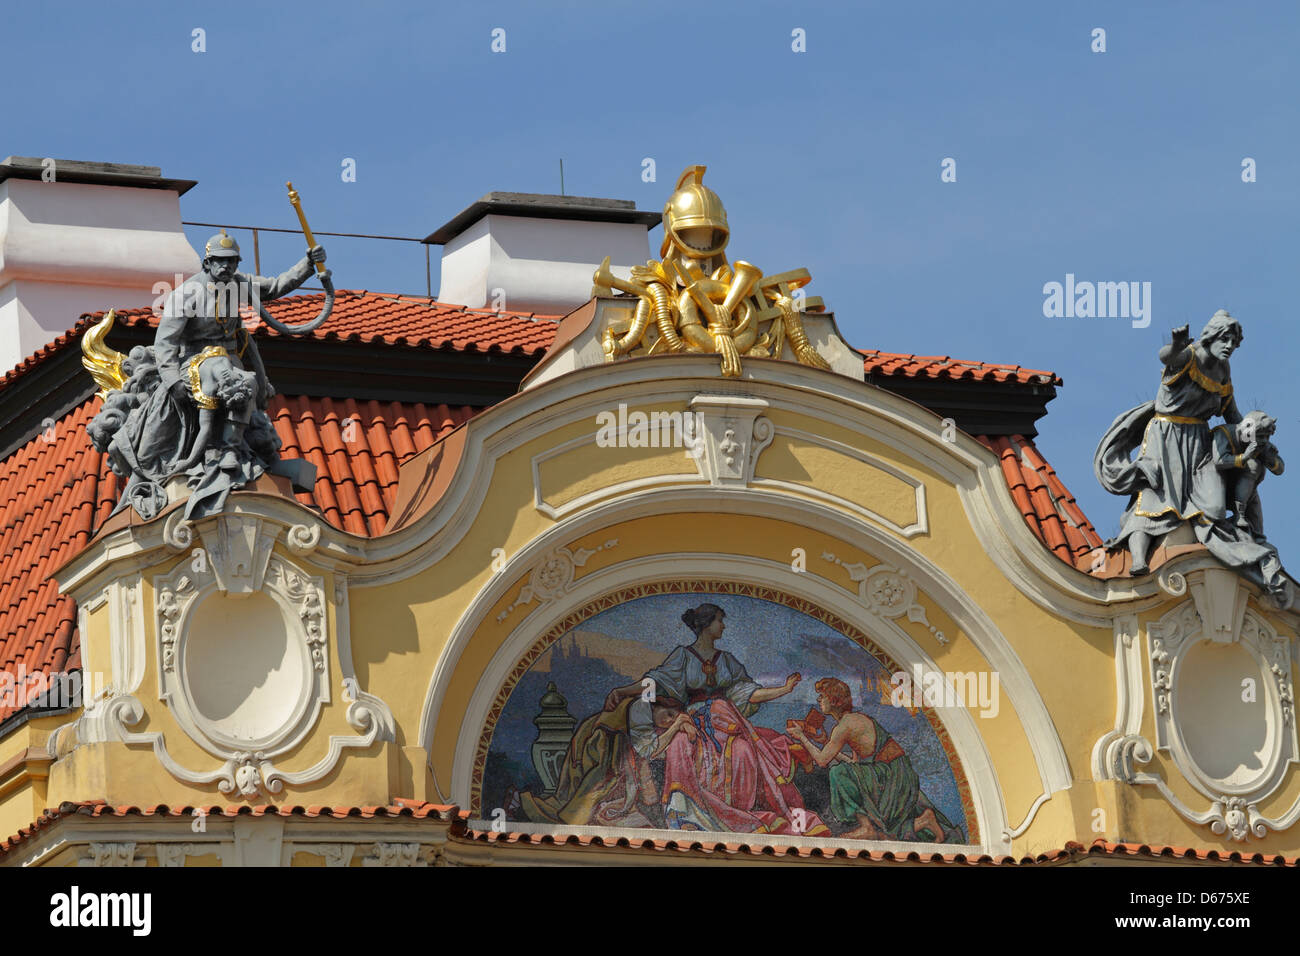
(721, 773)
(1174, 478)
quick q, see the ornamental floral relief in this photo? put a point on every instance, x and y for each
(553, 575)
(311, 610)
(111, 854)
(395, 854)
(888, 592)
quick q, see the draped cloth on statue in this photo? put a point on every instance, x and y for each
(600, 781)
(1173, 479)
(156, 435)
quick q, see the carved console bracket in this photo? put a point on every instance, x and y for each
(731, 433)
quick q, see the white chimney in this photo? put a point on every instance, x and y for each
(80, 237)
(535, 253)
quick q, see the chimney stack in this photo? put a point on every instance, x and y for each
(79, 237)
(528, 252)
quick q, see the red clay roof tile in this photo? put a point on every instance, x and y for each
(941, 366)
(400, 808)
(459, 831)
(1047, 506)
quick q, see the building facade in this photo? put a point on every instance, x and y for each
(564, 592)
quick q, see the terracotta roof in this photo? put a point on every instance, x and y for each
(54, 493)
(397, 320)
(410, 809)
(356, 464)
(739, 848)
(1072, 852)
(361, 316)
(945, 367)
(1191, 854)
(459, 831)
(1046, 504)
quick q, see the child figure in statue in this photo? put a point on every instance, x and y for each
(1242, 454)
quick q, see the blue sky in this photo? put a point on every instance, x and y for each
(1115, 166)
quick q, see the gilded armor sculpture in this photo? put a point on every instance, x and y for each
(692, 299)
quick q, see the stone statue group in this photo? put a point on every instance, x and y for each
(1187, 472)
(193, 405)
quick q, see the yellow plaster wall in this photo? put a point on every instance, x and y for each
(1140, 814)
(24, 786)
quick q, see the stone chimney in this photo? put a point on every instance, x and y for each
(80, 237)
(536, 253)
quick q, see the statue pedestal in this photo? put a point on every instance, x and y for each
(177, 489)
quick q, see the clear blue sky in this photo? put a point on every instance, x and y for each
(1115, 166)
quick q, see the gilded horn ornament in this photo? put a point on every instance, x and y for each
(103, 363)
(603, 282)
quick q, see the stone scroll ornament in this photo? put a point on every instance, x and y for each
(192, 406)
(1187, 472)
(693, 300)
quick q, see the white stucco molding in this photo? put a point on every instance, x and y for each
(1253, 725)
(229, 556)
(672, 382)
(1116, 750)
(920, 526)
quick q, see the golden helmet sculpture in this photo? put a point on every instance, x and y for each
(695, 301)
(694, 205)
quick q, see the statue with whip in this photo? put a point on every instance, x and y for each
(194, 405)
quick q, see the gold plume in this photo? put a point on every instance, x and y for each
(103, 363)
